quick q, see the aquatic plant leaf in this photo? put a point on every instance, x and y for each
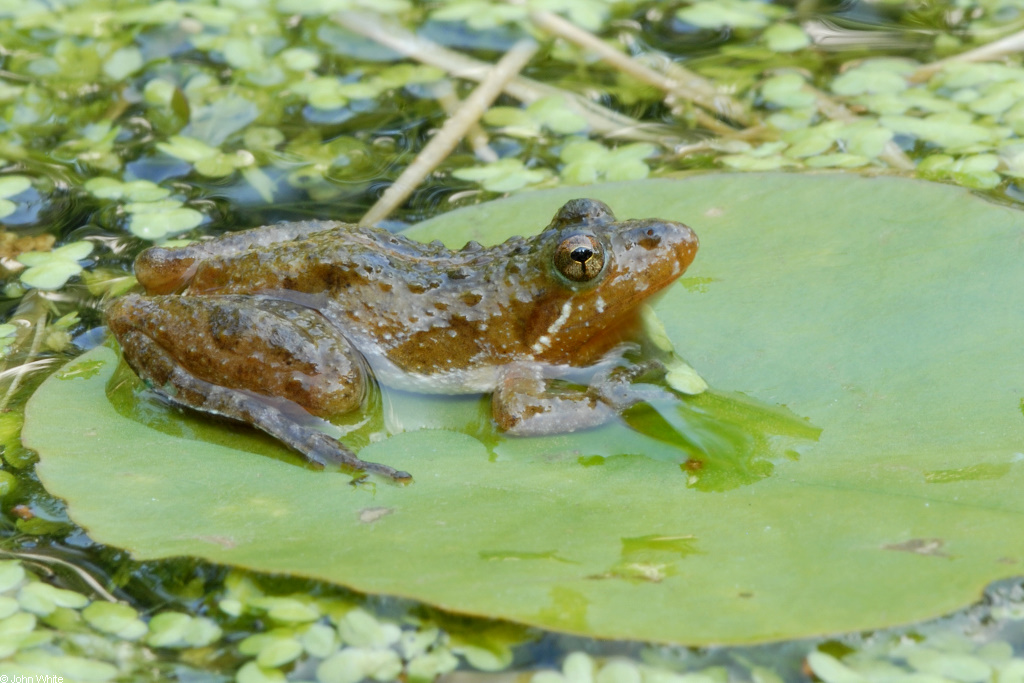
(870, 78)
(788, 90)
(299, 59)
(51, 269)
(176, 630)
(554, 113)
(12, 185)
(480, 15)
(123, 63)
(732, 13)
(885, 311)
(11, 575)
(154, 224)
(116, 619)
(159, 92)
(136, 190)
(866, 141)
(504, 175)
(785, 38)
(939, 130)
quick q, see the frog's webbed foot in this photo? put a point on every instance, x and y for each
(265, 413)
(525, 404)
(271, 364)
(616, 387)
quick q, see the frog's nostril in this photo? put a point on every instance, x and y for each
(651, 239)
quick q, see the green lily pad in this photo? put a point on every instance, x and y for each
(883, 310)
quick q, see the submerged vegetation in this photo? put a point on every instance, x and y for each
(129, 123)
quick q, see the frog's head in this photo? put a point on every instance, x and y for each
(601, 271)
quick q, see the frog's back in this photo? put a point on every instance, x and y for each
(343, 261)
(383, 289)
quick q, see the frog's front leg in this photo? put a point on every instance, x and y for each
(266, 362)
(526, 404)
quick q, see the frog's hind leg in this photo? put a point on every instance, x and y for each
(269, 363)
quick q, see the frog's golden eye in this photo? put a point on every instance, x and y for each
(579, 258)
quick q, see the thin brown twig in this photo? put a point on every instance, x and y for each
(994, 50)
(476, 136)
(681, 83)
(600, 119)
(453, 130)
(85, 576)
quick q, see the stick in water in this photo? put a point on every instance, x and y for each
(453, 130)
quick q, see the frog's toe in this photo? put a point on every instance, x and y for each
(322, 450)
(399, 476)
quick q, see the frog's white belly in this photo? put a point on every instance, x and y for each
(478, 380)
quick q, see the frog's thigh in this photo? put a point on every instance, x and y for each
(265, 346)
(523, 404)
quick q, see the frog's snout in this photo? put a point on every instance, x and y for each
(664, 236)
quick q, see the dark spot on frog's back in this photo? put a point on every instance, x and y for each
(471, 298)
(421, 286)
(333, 277)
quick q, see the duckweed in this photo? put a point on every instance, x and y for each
(51, 269)
(11, 186)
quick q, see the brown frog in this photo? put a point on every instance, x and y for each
(276, 325)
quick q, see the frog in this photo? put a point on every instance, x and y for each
(284, 326)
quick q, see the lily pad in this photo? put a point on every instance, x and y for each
(883, 310)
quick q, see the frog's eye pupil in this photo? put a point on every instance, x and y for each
(579, 258)
(581, 254)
